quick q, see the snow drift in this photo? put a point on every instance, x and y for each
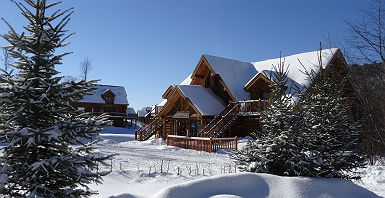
(255, 185)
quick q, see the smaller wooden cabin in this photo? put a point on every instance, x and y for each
(144, 115)
(106, 99)
(132, 117)
(189, 108)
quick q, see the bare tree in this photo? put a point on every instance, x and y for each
(6, 58)
(367, 45)
(69, 78)
(367, 36)
(85, 67)
(368, 81)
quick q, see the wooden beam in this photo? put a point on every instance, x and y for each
(199, 76)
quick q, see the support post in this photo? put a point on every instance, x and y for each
(168, 141)
(236, 143)
(211, 144)
(136, 135)
(186, 142)
(140, 136)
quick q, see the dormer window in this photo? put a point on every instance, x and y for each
(108, 96)
(108, 100)
(259, 87)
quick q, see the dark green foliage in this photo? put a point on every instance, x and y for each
(48, 153)
(317, 139)
(278, 150)
(330, 134)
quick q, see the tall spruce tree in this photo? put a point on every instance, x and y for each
(44, 156)
(278, 150)
(330, 134)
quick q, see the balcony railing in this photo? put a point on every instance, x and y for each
(203, 144)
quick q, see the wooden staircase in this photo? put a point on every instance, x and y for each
(149, 130)
(230, 115)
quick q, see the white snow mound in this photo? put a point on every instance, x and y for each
(256, 185)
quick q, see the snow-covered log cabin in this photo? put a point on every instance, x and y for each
(106, 99)
(224, 97)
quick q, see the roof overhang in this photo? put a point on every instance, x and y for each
(166, 94)
(194, 75)
(175, 94)
(257, 77)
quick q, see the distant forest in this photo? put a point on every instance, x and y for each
(369, 81)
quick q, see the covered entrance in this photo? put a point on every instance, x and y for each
(184, 125)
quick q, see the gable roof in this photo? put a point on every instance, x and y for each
(309, 60)
(207, 103)
(187, 80)
(238, 74)
(141, 113)
(130, 110)
(96, 97)
(108, 90)
(256, 77)
(235, 74)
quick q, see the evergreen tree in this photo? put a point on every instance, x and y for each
(44, 156)
(278, 151)
(330, 135)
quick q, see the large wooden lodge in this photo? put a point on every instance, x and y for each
(223, 98)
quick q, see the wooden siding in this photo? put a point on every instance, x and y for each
(258, 87)
(206, 77)
(117, 111)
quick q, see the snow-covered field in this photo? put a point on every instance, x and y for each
(141, 169)
(257, 185)
(152, 169)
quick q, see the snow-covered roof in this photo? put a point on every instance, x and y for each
(187, 80)
(141, 113)
(130, 110)
(235, 74)
(203, 99)
(147, 109)
(163, 102)
(309, 60)
(96, 97)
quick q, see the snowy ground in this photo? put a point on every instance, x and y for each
(143, 168)
(258, 185)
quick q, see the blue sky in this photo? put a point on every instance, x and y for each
(146, 45)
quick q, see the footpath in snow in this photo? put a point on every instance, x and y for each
(153, 169)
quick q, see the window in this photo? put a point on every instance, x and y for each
(108, 99)
(264, 95)
(207, 81)
(81, 108)
(92, 109)
(174, 127)
(195, 127)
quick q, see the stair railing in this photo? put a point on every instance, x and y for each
(224, 120)
(148, 130)
(216, 119)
